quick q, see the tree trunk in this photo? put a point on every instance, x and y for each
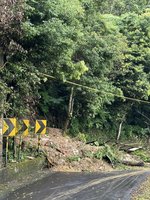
(70, 111)
(119, 132)
(120, 129)
(1, 114)
(1, 58)
(1, 144)
(133, 163)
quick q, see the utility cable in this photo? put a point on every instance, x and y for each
(97, 90)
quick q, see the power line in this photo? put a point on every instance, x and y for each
(97, 90)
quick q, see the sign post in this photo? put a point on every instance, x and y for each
(23, 131)
(8, 130)
(1, 143)
(40, 129)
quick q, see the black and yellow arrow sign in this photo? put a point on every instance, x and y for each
(23, 127)
(40, 127)
(9, 127)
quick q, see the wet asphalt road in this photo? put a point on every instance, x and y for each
(81, 186)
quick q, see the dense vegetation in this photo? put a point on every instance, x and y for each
(100, 44)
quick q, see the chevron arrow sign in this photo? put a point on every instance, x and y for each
(40, 127)
(23, 127)
(9, 127)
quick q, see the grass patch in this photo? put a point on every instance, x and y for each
(144, 155)
(73, 158)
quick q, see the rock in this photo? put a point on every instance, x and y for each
(61, 161)
(30, 157)
(131, 160)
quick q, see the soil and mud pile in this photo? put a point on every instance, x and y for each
(67, 154)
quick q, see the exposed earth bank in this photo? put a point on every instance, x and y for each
(73, 155)
(67, 154)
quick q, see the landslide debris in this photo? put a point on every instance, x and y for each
(67, 154)
(73, 155)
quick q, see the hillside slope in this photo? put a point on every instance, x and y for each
(67, 154)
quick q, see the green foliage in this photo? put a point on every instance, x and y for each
(119, 7)
(101, 44)
(74, 127)
(81, 137)
(88, 154)
(143, 155)
(21, 80)
(108, 152)
(11, 16)
(135, 28)
(56, 28)
(96, 143)
(73, 158)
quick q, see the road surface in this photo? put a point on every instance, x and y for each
(82, 186)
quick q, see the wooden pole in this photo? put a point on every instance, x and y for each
(14, 148)
(39, 142)
(70, 111)
(7, 152)
(1, 143)
(19, 150)
(1, 113)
